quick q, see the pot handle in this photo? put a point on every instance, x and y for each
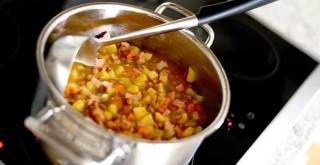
(44, 126)
(181, 10)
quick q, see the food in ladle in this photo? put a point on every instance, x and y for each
(137, 93)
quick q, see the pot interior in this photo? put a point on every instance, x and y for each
(178, 47)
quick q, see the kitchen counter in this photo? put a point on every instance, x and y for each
(285, 140)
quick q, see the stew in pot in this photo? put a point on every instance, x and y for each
(135, 92)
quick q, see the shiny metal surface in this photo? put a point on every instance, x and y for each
(61, 56)
(83, 49)
(185, 12)
(68, 132)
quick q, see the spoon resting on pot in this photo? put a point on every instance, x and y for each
(83, 49)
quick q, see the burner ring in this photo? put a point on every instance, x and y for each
(274, 51)
(268, 75)
(10, 37)
(245, 51)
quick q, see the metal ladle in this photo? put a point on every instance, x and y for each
(83, 49)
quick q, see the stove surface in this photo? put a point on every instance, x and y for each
(263, 71)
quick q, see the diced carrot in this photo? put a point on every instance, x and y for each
(166, 101)
(179, 132)
(128, 71)
(120, 88)
(111, 124)
(162, 109)
(67, 92)
(75, 90)
(190, 108)
(131, 54)
(144, 131)
(133, 75)
(117, 101)
(131, 117)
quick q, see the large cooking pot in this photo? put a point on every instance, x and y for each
(67, 137)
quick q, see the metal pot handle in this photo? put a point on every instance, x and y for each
(181, 10)
(42, 126)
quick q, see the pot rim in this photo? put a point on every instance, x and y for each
(225, 89)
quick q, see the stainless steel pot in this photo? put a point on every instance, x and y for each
(69, 138)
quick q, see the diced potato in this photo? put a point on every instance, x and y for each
(80, 68)
(191, 75)
(147, 120)
(191, 92)
(160, 118)
(160, 99)
(184, 118)
(188, 132)
(146, 99)
(146, 70)
(113, 109)
(136, 49)
(112, 74)
(165, 80)
(72, 85)
(110, 90)
(108, 115)
(161, 65)
(141, 85)
(173, 139)
(167, 134)
(104, 97)
(125, 80)
(151, 109)
(157, 105)
(147, 56)
(164, 72)
(85, 92)
(199, 98)
(141, 78)
(161, 88)
(195, 115)
(91, 87)
(78, 105)
(192, 123)
(152, 75)
(151, 91)
(133, 89)
(104, 75)
(198, 129)
(111, 49)
(119, 70)
(139, 112)
(157, 133)
(74, 75)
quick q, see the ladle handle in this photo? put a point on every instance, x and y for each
(226, 9)
(205, 15)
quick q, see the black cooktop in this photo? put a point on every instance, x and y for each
(263, 71)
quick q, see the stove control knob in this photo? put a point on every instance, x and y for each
(250, 115)
(241, 126)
